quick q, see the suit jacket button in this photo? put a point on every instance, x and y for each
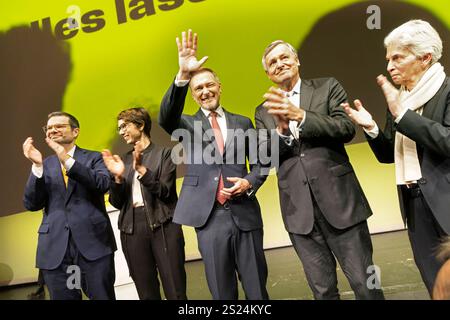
(302, 155)
(305, 182)
(216, 178)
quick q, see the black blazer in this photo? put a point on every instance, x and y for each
(158, 187)
(200, 183)
(431, 132)
(318, 161)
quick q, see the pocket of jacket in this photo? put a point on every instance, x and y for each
(341, 170)
(44, 228)
(190, 180)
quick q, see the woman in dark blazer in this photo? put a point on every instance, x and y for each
(144, 190)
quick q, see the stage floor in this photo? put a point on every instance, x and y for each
(400, 278)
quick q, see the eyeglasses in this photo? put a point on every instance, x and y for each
(123, 126)
(57, 127)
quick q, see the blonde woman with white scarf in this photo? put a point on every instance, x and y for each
(416, 137)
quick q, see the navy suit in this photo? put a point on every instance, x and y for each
(75, 224)
(229, 236)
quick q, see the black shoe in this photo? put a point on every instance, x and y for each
(39, 294)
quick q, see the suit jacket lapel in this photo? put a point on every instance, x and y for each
(79, 155)
(129, 174)
(306, 93)
(57, 175)
(206, 126)
(231, 126)
(430, 106)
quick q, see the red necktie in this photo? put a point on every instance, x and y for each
(219, 140)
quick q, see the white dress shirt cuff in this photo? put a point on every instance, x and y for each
(302, 123)
(287, 139)
(37, 171)
(181, 83)
(373, 133)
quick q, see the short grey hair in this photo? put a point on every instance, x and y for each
(272, 46)
(419, 37)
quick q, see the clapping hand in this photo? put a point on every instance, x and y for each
(59, 150)
(391, 94)
(359, 115)
(114, 164)
(31, 152)
(282, 109)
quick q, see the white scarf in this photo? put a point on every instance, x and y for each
(407, 166)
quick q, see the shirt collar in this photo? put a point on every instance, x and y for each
(296, 89)
(72, 151)
(219, 112)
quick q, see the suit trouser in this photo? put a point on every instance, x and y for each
(225, 250)
(149, 251)
(96, 281)
(425, 235)
(40, 280)
(352, 247)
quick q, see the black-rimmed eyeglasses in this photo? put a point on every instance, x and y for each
(57, 127)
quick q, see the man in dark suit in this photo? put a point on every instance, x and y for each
(76, 243)
(323, 206)
(217, 197)
(416, 137)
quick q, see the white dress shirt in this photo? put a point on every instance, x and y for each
(138, 200)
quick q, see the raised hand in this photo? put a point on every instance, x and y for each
(359, 115)
(391, 94)
(187, 51)
(114, 164)
(31, 153)
(137, 158)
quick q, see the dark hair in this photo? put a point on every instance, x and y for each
(138, 116)
(72, 120)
